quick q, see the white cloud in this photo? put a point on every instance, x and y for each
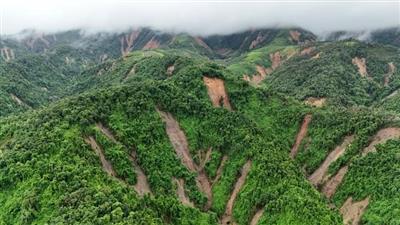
(201, 17)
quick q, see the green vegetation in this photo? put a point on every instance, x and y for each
(53, 95)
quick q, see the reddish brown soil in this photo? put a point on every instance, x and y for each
(381, 137)
(257, 217)
(227, 217)
(127, 42)
(331, 185)
(295, 35)
(362, 66)
(152, 44)
(216, 92)
(317, 102)
(320, 175)
(353, 211)
(391, 71)
(275, 60)
(300, 135)
(307, 51)
(100, 153)
(180, 192)
(180, 144)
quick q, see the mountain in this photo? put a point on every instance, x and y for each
(267, 126)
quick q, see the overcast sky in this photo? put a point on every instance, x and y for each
(197, 16)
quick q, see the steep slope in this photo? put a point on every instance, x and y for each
(345, 73)
(49, 174)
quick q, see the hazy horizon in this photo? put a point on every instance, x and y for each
(197, 17)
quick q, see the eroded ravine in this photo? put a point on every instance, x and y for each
(320, 175)
(332, 184)
(180, 192)
(391, 71)
(142, 186)
(300, 135)
(361, 64)
(220, 169)
(179, 142)
(106, 165)
(257, 216)
(227, 217)
(381, 137)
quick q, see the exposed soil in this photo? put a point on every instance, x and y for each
(300, 135)
(316, 56)
(180, 144)
(331, 185)
(320, 175)
(381, 137)
(152, 44)
(394, 93)
(307, 51)
(180, 191)
(260, 38)
(257, 217)
(99, 151)
(352, 211)
(7, 54)
(391, 71)
(127, 42)
(317, 102)
(170, 70)
(216, 92)
(220, 168)
(295, 35)
(202, 43)
(142, 187)
(362, 66)
(19, 101)
(205, 159)
(103, 57)
(275, 60)
(227, 217)
(256, 79)
(131, 73)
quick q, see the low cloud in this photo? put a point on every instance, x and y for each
(197, 17)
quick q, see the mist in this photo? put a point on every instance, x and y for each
(196, 17)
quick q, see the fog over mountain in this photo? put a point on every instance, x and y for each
(197, 17)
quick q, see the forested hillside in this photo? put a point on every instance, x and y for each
(267, 126)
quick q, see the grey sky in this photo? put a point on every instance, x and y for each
(197, 16)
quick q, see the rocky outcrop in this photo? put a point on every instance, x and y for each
(361, 65)
(216, 92)
(300, 135)
(170, 70)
